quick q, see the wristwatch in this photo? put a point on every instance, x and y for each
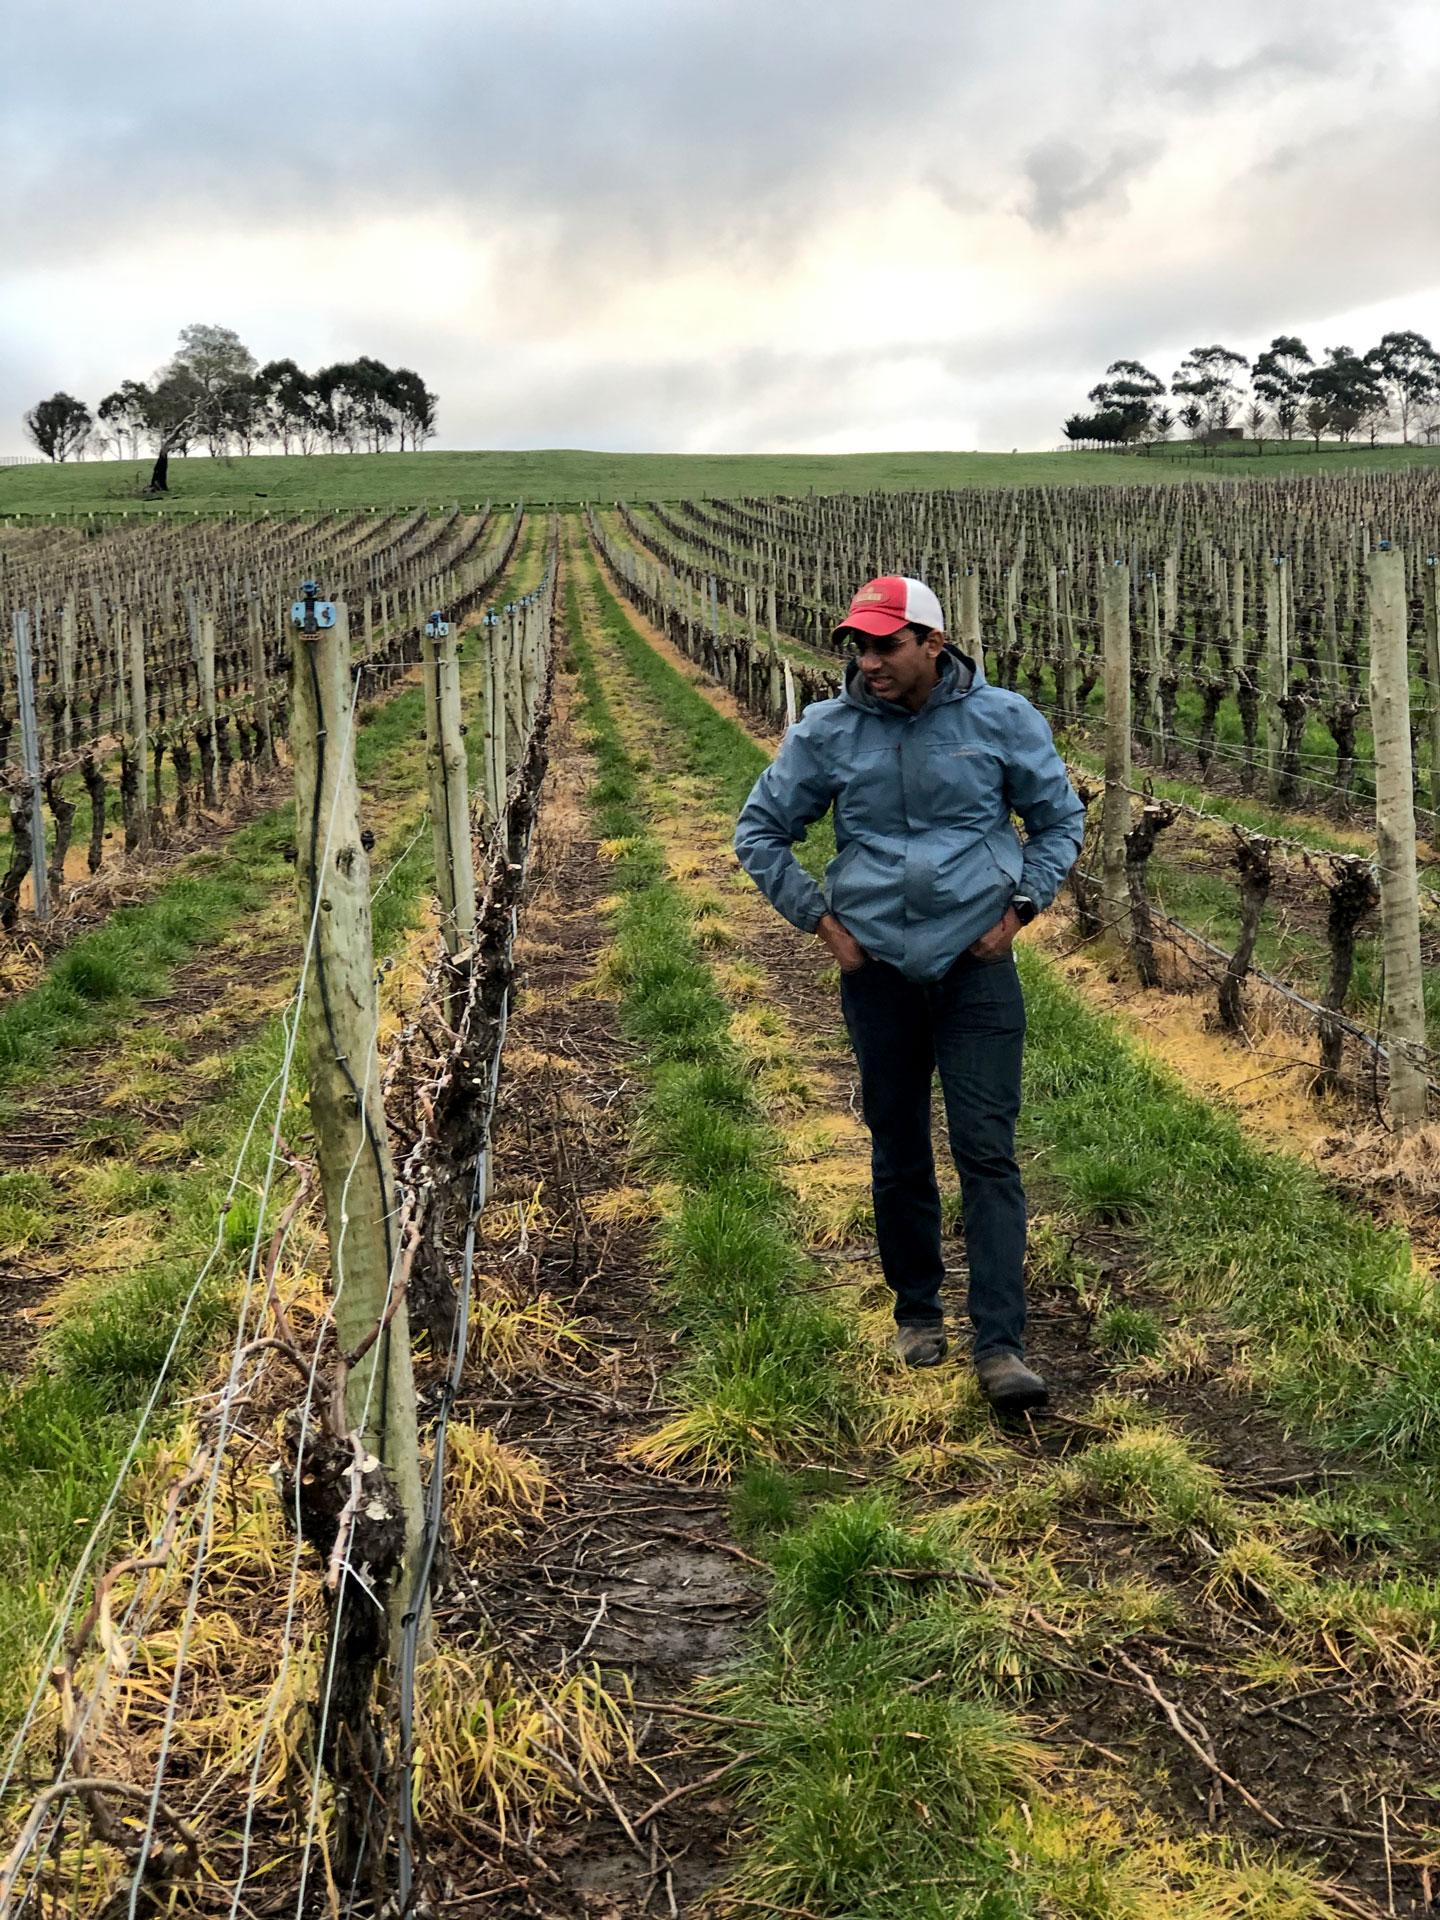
(1025, 908)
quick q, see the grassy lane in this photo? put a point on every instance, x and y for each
(1166, 1520)
(122, 1201)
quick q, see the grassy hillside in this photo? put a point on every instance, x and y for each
(295, 482)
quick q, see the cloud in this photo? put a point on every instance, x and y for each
(1206, 82)
(1062, 181)
(648, 224)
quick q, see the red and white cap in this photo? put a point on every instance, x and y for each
(893, 601)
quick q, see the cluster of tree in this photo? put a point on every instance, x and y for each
(1343, 393)
(213, 393)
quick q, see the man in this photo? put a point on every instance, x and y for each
(924, 763)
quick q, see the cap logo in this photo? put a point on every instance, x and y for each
(869, 594)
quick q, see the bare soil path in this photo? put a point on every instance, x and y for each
(630, 1572)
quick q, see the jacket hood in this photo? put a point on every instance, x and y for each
(959, 676)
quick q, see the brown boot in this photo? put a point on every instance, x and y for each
(1008, 1384)
(922, 1346)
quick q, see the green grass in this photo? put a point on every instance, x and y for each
(1130, 1333)
(762, 1373)
(98, 980)
(1345, 1333)
(287, 483)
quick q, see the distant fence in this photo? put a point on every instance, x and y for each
(21, 460)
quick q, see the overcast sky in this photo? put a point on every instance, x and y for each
(713, 225)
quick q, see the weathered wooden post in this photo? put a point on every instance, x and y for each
(449, 779)
(260, 688)
(30, 753)
(66, 672)
(495, 770)
(1066, 667)
(1154, 669)
(1115, 812)
(139, 718)
(367, 1257)
(1432, 684)
(971, 644)
(1404, 1009)
(205, 733)
(1277, 678)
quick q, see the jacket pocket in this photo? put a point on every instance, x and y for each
(835, 872)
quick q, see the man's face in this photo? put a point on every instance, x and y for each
(899, 666)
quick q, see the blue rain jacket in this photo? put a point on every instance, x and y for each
(927, 857)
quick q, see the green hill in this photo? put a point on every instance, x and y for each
(295, 482)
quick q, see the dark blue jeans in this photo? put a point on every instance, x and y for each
(971, 1025)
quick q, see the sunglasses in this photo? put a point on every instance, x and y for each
(885, 644)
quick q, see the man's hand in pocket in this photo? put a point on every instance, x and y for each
(848, 952)
(995, 944)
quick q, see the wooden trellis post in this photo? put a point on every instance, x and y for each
(449, 781)
(1404, 1009)
(1154, 667)
(66, 672)
(1277, 677)
(30, 752)
(1065, 670)
(1115, 813)
(1432, 683)
(139, 718)
(265, 745)
(971, 644)
(368, 1260)
(495, 768)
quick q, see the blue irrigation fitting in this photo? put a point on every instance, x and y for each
(310, 613)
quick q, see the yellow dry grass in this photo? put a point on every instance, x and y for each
(522, 1061)
(1099, 1839)
(623, 1206)
(492, 1739)
(490, 1488)
(515, 1339)
(832, 1198)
